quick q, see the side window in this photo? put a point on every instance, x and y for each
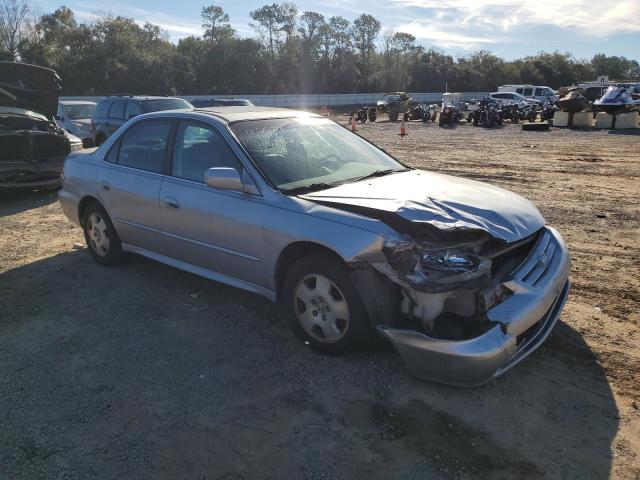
(519, 90)
(102, 109)
(199, 147)
(144, 146)
(133, 109)
(112, 155)
(540, 92)
(527, 92)
(117, 109)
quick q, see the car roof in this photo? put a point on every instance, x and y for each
(231, 114)
(76, 102)
(139, 97)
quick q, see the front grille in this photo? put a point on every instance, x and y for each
(510, 258)
(533, 271)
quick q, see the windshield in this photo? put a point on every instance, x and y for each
(164, 104)
(79, 112)
(296, 153)
(391, 98)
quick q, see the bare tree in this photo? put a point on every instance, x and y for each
(14, 22)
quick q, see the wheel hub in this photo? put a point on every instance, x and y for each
(321, 308)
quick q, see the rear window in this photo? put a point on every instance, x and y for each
(164, 104)
(133, 109)
(117, 109)
(102, 108)
(527, 92)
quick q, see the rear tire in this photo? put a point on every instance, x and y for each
(102, 239)
(322, 305)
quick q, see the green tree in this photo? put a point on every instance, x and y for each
(215, 23)
(365, 31)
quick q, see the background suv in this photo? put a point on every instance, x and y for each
(111, 112)
(221, 102)
(513, 97)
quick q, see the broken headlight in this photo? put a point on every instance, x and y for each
(402, 256)
(449, 261)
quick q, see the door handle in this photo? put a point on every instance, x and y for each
(105, 186)
(172, 203)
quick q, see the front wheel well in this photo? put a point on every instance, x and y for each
(292, 253)
(84, 203)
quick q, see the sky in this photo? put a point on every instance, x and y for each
(508, 28)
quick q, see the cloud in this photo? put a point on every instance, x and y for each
(445, 37)
(175, 27)
(595, 18)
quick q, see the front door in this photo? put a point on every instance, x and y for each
(219, 230)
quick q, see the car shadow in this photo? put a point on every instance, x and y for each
(17, 201)
(143, 370)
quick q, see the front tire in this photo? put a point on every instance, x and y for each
(322, 305)
(102, 239)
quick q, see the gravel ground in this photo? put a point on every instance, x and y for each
(144, 371)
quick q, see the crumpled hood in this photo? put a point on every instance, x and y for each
(29, 87)
(446, 202)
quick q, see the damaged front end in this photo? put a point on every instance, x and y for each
(33, 150)
(469, 312)
(33, 146)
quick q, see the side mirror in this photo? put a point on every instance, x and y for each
(224, 178)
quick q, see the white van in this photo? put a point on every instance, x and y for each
(535, 92)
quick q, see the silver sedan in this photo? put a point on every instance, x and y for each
(465, 279)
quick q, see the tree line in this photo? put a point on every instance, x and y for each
(293, 52)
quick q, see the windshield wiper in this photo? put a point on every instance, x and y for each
(379, 173)
(312, 187)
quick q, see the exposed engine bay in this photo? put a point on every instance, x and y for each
(33, 146)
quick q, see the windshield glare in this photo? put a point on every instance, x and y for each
(79, 112)
(298, 152)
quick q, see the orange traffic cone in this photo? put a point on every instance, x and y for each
(353, 124)
(403, 130)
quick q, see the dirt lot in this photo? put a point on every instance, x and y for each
(143, 371)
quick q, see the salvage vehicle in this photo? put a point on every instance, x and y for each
(617, 99)
(363, 114)
(541, 93)
(489, 113)
(395, 105)
(75, 117)
(32, 146)
(424, 112)
(115, 110)
(548, 111)
(448, 115)
(463, 278)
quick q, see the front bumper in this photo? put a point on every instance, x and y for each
(540, 287)
(30, 174)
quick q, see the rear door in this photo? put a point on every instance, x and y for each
(130, 181)
(220, 230)
(116, 115)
